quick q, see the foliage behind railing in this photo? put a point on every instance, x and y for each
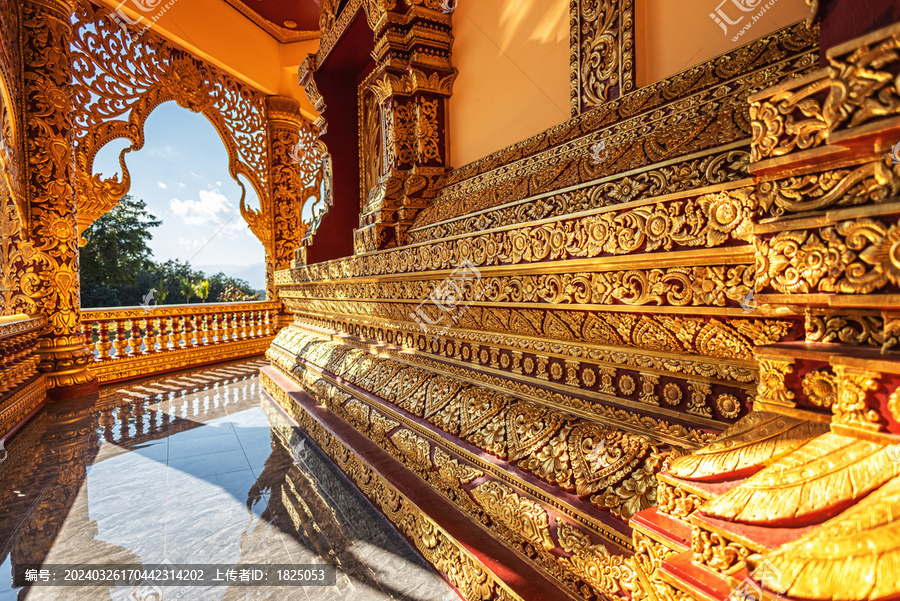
(200, 333)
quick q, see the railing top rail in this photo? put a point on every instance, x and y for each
(14, 325)
(175, 310)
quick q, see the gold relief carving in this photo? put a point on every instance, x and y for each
(756, 440)
(649, 383)
(12, 127)
(48, 131)
(672, 394)
(678, 286)
(894, 404)
(717, 552)
(636, 493)
(863, 84)
(699, 394)
(772, 388)
(676, 501)
(16, 254)
(299, 174)
(857, 330)
(545, 162)
(416, 449)
(680, 178)
(648, 557)
(728, 405)
(358, 413)
(382, 425)
(106, 59)
(602, 457)
(328, 15)
(820, 388)
(734, 339)
(611, 575)
(522, 516)
(452, 472)
(853, 257)
(850, 407)
(871, 183)
(891, 333)
(603, 52)
(708, 221)
(787, 492)
(536, 437)
(788, 121)
(855, 553)
(627, 385)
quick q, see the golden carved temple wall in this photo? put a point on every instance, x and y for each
(566, 317)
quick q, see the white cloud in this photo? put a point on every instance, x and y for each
(180, 185)
(189, 244)
(196, 174)
(204, 211)
(162, 185)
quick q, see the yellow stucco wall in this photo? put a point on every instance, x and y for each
(513, 62)
(673, 35)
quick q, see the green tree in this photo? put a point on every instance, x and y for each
(115, 252)
(201, 289)
(117, 269)
(187, 289)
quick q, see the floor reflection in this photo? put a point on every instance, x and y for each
(200, 467)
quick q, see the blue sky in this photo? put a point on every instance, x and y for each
(182, 175)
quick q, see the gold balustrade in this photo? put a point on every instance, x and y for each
(22, 388)
(131, 342)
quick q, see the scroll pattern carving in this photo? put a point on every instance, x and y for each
(602, 53)
(119, 79)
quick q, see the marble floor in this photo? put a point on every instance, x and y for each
(196, 467)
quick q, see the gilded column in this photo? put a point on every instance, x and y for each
(296, 173)
(48, 130)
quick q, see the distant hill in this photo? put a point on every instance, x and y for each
(254, 274)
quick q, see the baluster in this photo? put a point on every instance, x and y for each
(103, 345)
(198, 330)
(120, 343)
(149, 335)
(269, 317)
(87, 329)
(186, 333)
(210, 330)
(217, 328)
(134, 342)
(251, 324)
(243, 328)
(229, 326)
(164, 337)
